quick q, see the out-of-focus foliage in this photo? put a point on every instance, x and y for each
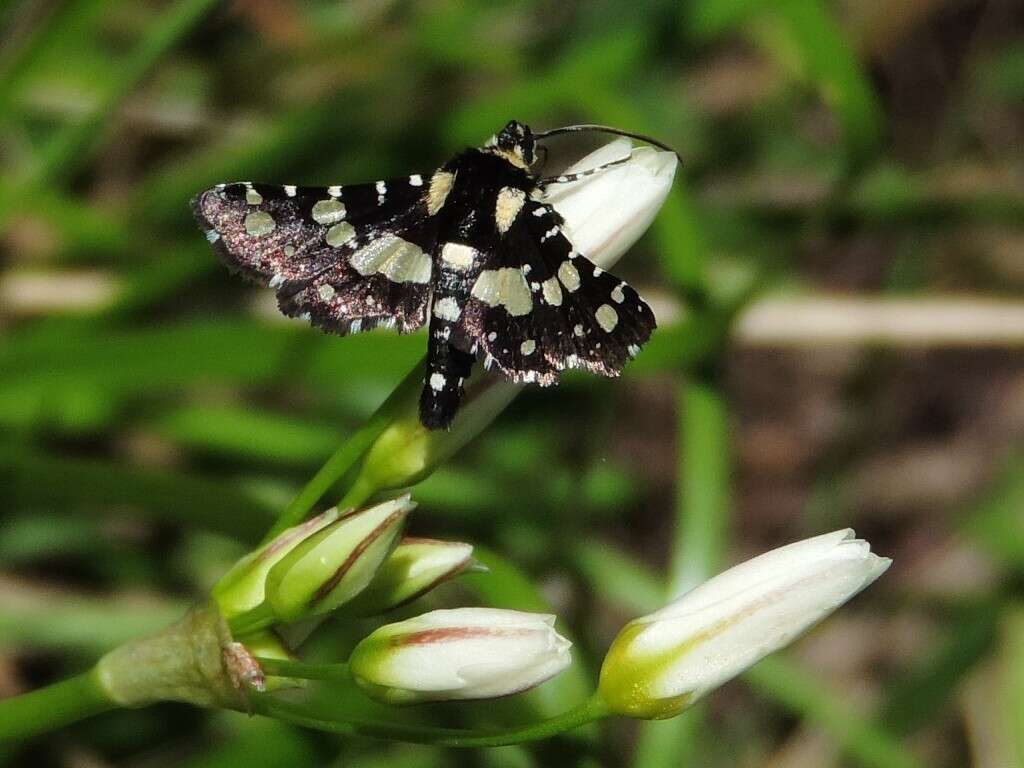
(156, 413)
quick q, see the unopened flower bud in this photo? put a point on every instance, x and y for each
(465, 653)
(330, 567)
(606, 212)
(242, 588)
(414, 568)
(661, 663)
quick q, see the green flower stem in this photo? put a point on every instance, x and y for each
(590, 710)
(260, 617)
(54, 706)
(336, 671)
(349, 453)
(394, 450)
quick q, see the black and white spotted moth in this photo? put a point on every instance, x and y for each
(471, 249)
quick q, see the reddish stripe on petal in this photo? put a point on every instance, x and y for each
(336, 577)
(445, 634)
(298, 533)
(423, 540)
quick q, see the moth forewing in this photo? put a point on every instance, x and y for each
(471, 250)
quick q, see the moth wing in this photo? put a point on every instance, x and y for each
(347, 258)
(540, 307)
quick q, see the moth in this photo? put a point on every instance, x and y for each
(471, 250)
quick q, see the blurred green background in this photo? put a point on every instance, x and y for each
(838, 276)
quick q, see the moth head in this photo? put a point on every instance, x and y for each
(515, 142)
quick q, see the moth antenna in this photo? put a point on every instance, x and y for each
(607, 129)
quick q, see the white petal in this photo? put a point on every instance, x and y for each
(759, 569)
(606, 212)
(748, 627)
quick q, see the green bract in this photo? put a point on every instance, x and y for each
(330, 567)
(242, 588)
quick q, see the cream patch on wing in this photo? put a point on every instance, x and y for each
(440, 185)
(398, 260)
(510, 203)
(506, 287)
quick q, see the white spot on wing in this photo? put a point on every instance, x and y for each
(458, 256)
(328, 211)
(340, 234)
(437, 381)
(617, 295)
(528, 347)
(334, 191)
(448, 309)
(326, 291)
(259, 223)
(607, 317)
(290, 190)
(552, 292)
(416, 180)
(252, 197)
(569, 276)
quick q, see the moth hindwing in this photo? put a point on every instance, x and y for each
(471, 250)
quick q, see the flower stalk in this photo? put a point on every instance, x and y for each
(590, 710)
(53, 706)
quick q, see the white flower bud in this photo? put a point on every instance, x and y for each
(414, 568)
(661, 663)
(465, 653)
(606, 212)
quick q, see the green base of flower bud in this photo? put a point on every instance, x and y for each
(188, 662)
(644, 708)
(625, 684)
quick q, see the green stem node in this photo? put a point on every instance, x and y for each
(190, 661)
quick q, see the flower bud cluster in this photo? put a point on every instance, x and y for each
(356, 562)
